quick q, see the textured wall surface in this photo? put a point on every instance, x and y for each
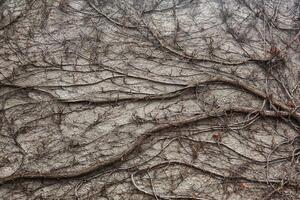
(149, 99)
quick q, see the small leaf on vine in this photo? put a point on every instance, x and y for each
(216, 137)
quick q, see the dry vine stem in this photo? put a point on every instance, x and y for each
(160, 99)
(156, 130)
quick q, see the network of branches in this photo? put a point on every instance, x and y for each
(150, 99)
